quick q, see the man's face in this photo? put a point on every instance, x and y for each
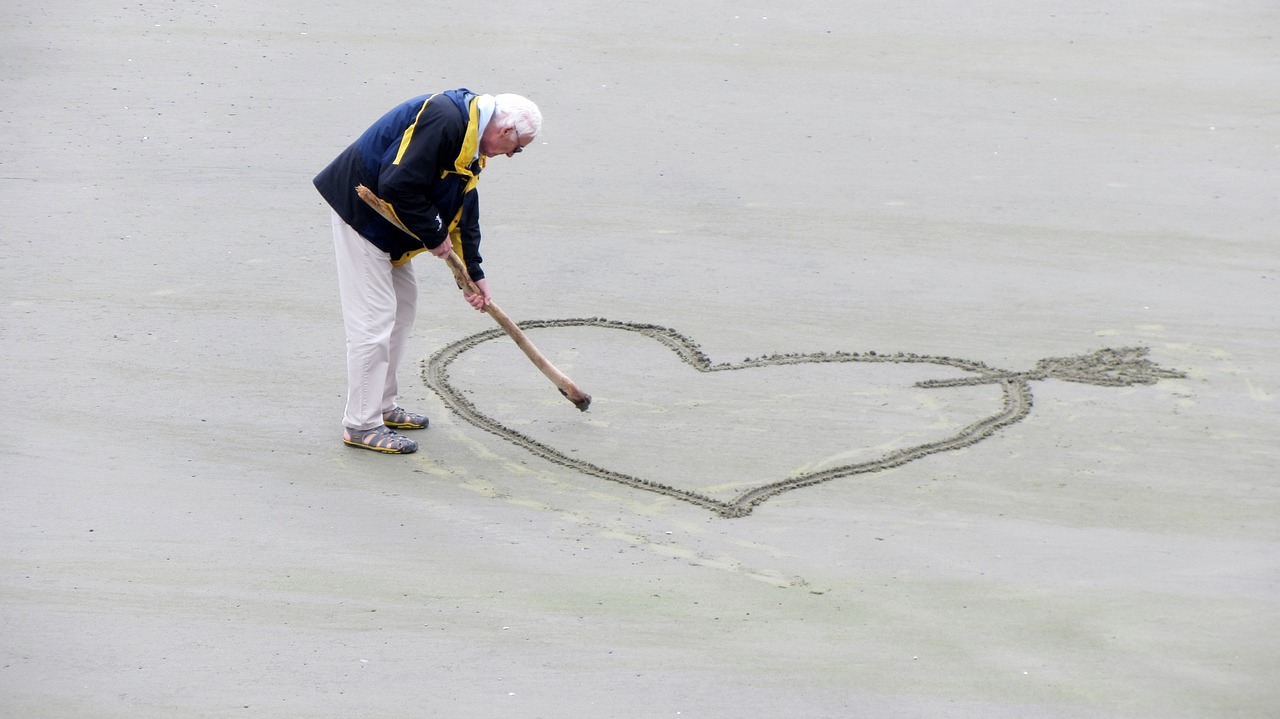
(502, 141)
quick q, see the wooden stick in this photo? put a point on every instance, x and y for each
(580, 399)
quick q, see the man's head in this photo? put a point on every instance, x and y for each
(515, 123)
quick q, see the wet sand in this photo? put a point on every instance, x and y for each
(183, 533)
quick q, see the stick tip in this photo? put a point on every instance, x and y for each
(580, 399)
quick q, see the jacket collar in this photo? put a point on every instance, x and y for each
(470, 152)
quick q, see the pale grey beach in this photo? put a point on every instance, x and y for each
(932, 350)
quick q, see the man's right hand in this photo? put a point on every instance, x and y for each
(442, 250)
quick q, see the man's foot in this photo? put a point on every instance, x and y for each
(403, 419)
(379, 439)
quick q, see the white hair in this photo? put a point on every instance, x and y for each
(519, 112)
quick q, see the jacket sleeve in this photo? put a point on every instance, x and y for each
(469, 234)
(409, 171)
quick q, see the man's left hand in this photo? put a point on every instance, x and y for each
(481, 300)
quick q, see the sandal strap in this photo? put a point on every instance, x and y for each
(382, 437)
(400, 417)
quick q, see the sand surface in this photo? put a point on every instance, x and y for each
(183, 535)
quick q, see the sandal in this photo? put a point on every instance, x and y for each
(379, 439)
(401, 418)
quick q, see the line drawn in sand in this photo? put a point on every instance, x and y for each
(1109, 367)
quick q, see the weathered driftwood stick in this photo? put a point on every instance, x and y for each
(580, 399)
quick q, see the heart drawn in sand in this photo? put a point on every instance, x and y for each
(1105, 367)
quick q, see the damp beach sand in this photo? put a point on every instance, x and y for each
(932, 352)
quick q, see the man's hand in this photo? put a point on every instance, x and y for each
(481, 300)
(442, 250)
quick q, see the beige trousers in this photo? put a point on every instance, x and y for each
(379, 301)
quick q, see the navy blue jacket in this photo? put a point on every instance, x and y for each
(420, 158)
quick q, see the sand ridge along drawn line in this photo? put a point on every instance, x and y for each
(1118, 367)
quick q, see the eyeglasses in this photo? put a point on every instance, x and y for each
(518, 149)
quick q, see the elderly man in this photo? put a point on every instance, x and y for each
(423, 159)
